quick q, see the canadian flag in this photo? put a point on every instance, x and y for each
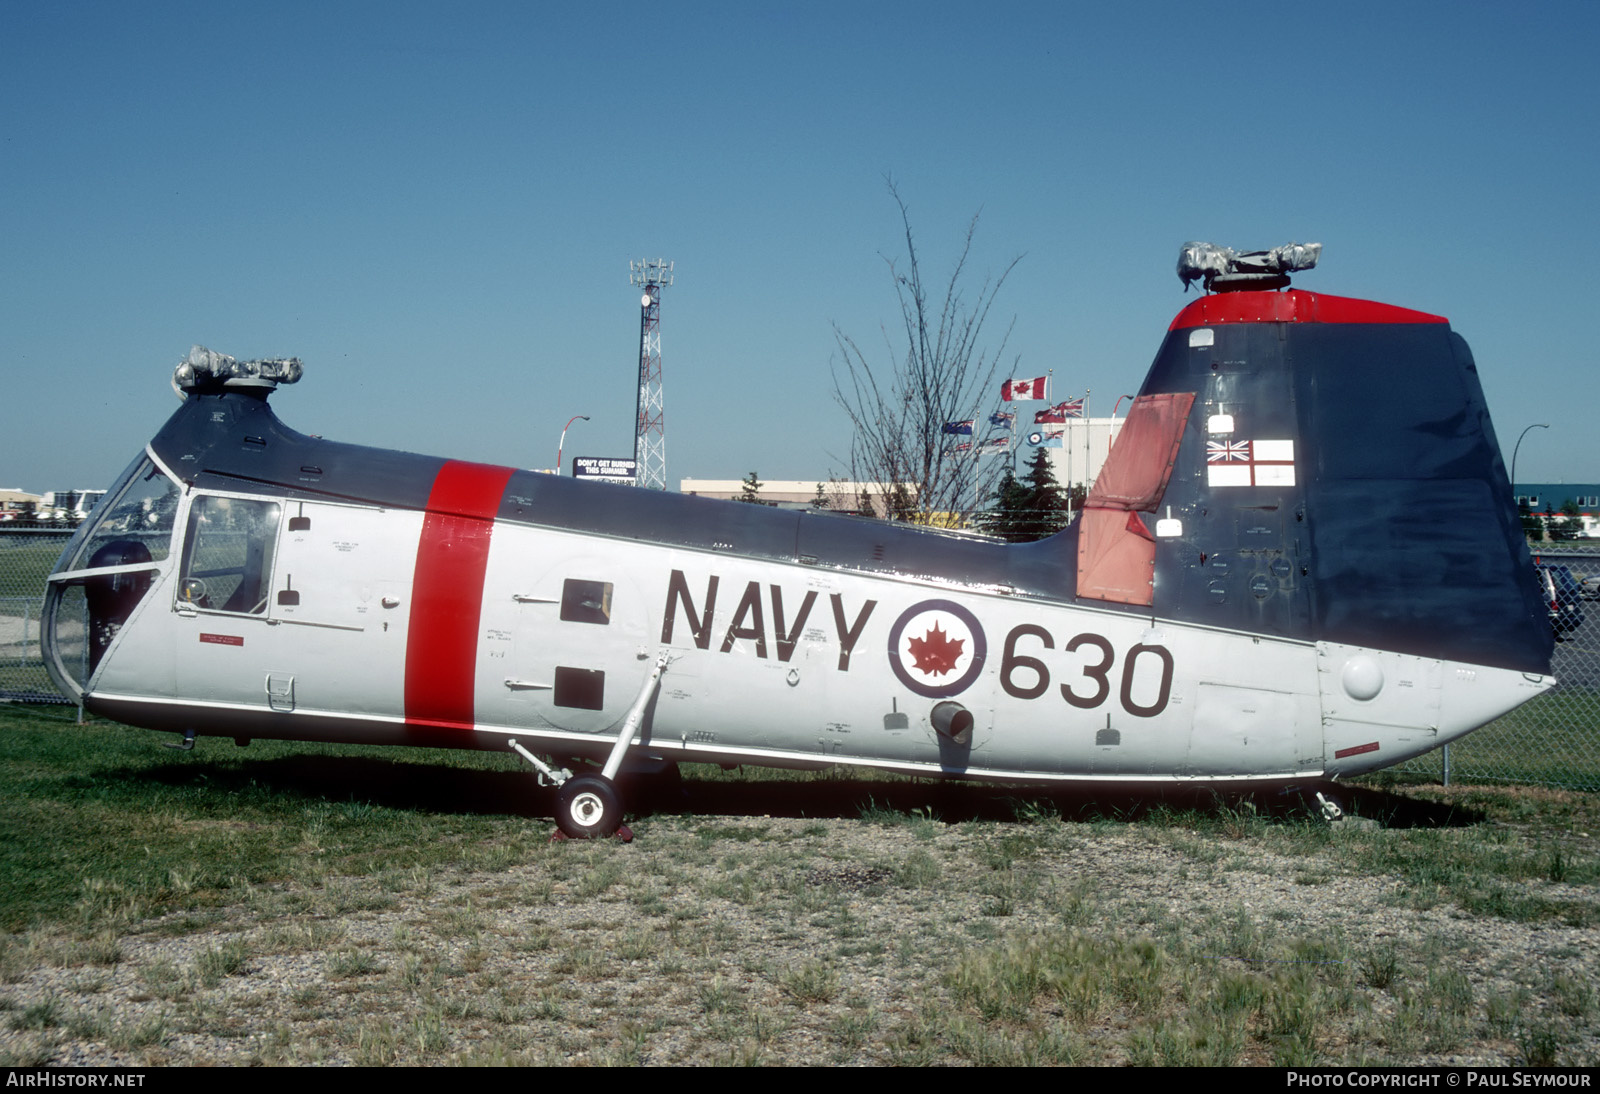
(1012, 391)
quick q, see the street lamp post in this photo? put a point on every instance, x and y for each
(1535, 425)
(563, 442)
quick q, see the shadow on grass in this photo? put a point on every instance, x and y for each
(368, 780)
(1402, 811)
(838, 793)
(957, 802)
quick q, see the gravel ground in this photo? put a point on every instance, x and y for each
(799, 941)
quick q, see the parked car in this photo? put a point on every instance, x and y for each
(1562, 593)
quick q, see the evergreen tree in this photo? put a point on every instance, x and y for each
(751, 488)
(1029, 508)
(1046, 502)
(1075, 497)
(1008, 515)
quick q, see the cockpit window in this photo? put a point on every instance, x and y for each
(227, 555)
(141, 515)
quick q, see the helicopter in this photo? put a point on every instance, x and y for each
(1300, 562)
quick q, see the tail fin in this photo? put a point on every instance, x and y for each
(1338, 480)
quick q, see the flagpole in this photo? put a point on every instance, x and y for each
(1049, 374)
(1088, 439)
(977, 476)
(1066, 442)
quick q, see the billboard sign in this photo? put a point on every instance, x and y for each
(613, 469)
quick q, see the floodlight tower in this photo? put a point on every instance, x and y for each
(650, 432)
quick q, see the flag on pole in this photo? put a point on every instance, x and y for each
(1012, 391)
(1046, 438)
(994, 444)
(951, 449)
(1003, 420)
(1072, 408)
(960, 427)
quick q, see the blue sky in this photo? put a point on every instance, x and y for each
(435, 208)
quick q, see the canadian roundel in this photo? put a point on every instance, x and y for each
(937, 648)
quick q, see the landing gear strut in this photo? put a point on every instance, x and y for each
(589, 806)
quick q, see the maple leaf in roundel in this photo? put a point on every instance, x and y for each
(936, 652)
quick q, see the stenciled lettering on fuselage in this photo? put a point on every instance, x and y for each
(936, 648)
(1024, 676)
(749, 619)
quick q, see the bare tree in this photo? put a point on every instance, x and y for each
(941, 373)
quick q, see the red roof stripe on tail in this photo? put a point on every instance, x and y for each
(1294, 306)
(447, 593)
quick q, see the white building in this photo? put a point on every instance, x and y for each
(15, 502)
(842, 497)
(1085, 444)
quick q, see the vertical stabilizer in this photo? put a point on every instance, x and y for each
(1338, 480)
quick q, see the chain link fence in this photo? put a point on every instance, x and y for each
(27, 556)
(1553, 741)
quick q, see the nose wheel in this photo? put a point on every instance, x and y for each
(588, 807)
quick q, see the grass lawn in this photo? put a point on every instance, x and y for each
(294, 903)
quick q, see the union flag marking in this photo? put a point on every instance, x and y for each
(1255, 462)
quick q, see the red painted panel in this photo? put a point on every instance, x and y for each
(1356, 751)
(1116, 557)
(1135, 474)
(1294, 306)
(447, 593)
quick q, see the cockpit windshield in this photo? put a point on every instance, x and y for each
(121, 546)
(140, 510)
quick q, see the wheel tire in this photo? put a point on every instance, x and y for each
(588, 807)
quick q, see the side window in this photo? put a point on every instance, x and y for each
(227, 555)
(584, 689)
(586, 601)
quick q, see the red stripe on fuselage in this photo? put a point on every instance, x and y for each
(1294, 306)
(447, 593)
